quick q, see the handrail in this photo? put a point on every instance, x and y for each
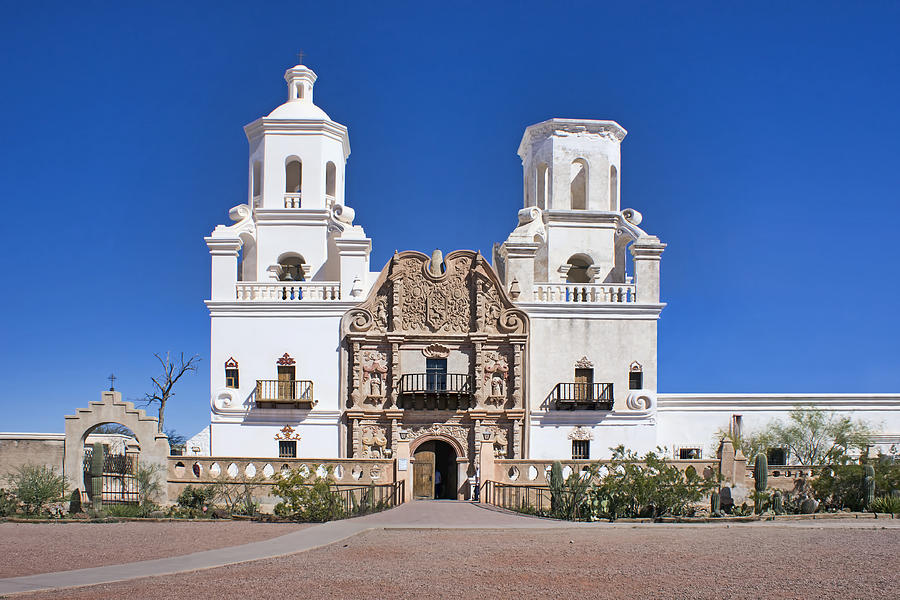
(297, 392)
(592, 396)
(436, 383)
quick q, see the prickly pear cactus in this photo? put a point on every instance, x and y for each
(869, 484)
(761, 472)
(777, 503)
(715, 503)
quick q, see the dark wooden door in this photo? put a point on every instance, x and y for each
(423, 475)
(584, 384)
(286, 383)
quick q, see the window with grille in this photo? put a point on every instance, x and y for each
(287, 449)
(581, 449)
(688, 453)
(635, 380)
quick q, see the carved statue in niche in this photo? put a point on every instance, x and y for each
(374, 366)
(380, 312)
(501, 442)
(374, 442)
(491, 307)
(496, 368)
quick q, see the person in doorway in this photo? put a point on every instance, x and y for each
(438, 484)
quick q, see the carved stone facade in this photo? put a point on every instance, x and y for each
(451, 309)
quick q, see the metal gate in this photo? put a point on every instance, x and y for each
(119, 482)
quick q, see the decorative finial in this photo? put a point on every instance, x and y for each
(300, 56)
(112, 382)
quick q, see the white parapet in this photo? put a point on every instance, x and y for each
(591, 293)
(289, 291)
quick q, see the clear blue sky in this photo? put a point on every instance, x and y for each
(763, 147)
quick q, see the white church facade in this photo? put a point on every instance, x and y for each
(548, 347)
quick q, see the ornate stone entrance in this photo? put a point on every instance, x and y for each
(436, 350)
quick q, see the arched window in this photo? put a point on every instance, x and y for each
(578, 184)
(257, 178)
(579, 265)
(613, 188)
(543, 185)
(330, 179)
(293, 176)
(292, 267)
(232, 377)
(635, 376)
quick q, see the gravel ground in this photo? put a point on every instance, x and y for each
(30, 548)
(646, 561)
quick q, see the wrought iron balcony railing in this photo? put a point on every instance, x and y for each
(585, 396)
(436, 384)
(277, 393)
(435, 391)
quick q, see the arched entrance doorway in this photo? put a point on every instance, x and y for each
(435, 471)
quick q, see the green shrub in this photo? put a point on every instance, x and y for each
(569, 497)
(8, 503)
(194, 501)
(149, 483)
(306, 498)
(647, 486)
(886, 504)
(841, 486)
(236, 495)
(37, 486)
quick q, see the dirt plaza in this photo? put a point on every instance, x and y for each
(460, 550)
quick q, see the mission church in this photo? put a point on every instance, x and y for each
(548, 347)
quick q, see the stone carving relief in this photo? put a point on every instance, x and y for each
(496, 368)
(287, 433)
(584, 363)
(374, 442)
(457, 432)
(374, 367)
(436, 351)
(459, 295)
(640, 400)
(501, 441)
(581, 433)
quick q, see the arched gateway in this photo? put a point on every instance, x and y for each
(434, 357)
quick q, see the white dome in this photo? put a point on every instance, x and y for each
(298, 109)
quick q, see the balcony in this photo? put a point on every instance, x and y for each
(289, 291)
(435, 391)
(586, 293)
(284, 393)
(582, 396)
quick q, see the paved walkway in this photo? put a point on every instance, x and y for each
(414, 515)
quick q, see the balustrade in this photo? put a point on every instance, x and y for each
(289, 291)
(292, 200)
(340, 471)
(591, 396)
(591, 293)
(275, 393)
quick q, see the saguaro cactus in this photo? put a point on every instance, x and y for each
(715, 503)
(869, 484)
(557, 483)
(97, 456)
(761, 477)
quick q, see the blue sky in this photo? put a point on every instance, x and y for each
(763, 147)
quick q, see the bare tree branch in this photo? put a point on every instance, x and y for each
(164, 384)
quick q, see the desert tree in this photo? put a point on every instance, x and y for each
(163, 385)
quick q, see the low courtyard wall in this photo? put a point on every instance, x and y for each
(207, 470)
